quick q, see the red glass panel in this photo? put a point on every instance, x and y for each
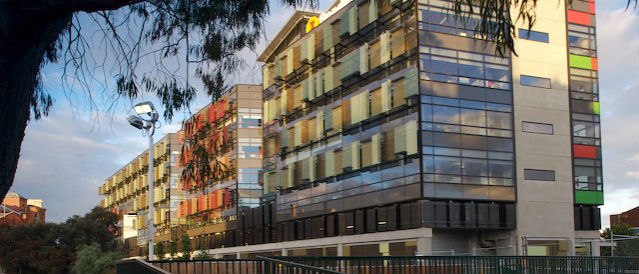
(582, 151)
(578, 17)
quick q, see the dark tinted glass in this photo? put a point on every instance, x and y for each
(539, 175)
(533, 35)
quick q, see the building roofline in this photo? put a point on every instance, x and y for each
(167, 135)
(298, 15)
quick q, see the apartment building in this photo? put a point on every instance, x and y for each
(221, 157)
(126, 193)
(392, 128)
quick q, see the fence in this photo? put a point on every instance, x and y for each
(259, 265)
(474, 264)
(390, 265)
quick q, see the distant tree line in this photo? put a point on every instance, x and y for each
(84, 244)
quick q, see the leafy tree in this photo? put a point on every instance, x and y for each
(140, 40)
(140, 37)
(92, 260)
(186, 246)
(52, 248)
(625, 247)
(172, 249)
(159, 251)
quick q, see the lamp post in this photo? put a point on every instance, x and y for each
(145, 120)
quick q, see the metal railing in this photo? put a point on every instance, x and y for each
(211, 266)
(473, 264)
(137, 266)
(389, 265)
(259, 265)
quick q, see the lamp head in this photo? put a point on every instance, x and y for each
(144, 108)
(136, 121)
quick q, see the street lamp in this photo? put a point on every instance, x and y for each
(145, 120)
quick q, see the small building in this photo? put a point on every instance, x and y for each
(630, 218)
(16, 210)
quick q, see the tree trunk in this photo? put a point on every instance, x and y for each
(24, 40)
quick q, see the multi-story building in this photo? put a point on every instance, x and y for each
(391, 127)
(221, 157)
(16, 210)
(126, 193)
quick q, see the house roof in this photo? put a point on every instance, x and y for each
(6, 211)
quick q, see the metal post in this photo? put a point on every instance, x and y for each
(151, 197)
(612, 243)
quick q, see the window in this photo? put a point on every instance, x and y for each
(480, 70)
(250, 118)
(439, 17)
(533, 35)
(536, 128)
(539, 175)
(250, 147)
(585, 129)
(535, 81)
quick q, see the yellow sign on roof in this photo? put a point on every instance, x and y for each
(312, 23)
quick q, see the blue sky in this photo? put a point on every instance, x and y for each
(67, 155)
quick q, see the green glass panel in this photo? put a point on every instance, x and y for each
(350, 64)
(328, 37)
(595, 107)
(412, 82)
(588, 197)
(352, 24)
(372, 11)
(344, 23)
(583, 62)
(278, 68)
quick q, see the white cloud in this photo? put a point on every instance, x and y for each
(64, 159)
(618, 56)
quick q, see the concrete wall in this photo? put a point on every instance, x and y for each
(544, 208)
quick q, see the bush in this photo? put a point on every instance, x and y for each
(92, 260)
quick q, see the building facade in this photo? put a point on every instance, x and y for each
(16, 210)
(391, 128)
(221, 157)
(126, 193)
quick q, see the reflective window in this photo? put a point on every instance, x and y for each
(534, 81)
(533, 35)
(250, 148)
(449, 115)
(473, 117)
(585, 129)
(474, 167)
(500, 169)
(447, 165)
(473, 69)
(537, 128)
(438, 16)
